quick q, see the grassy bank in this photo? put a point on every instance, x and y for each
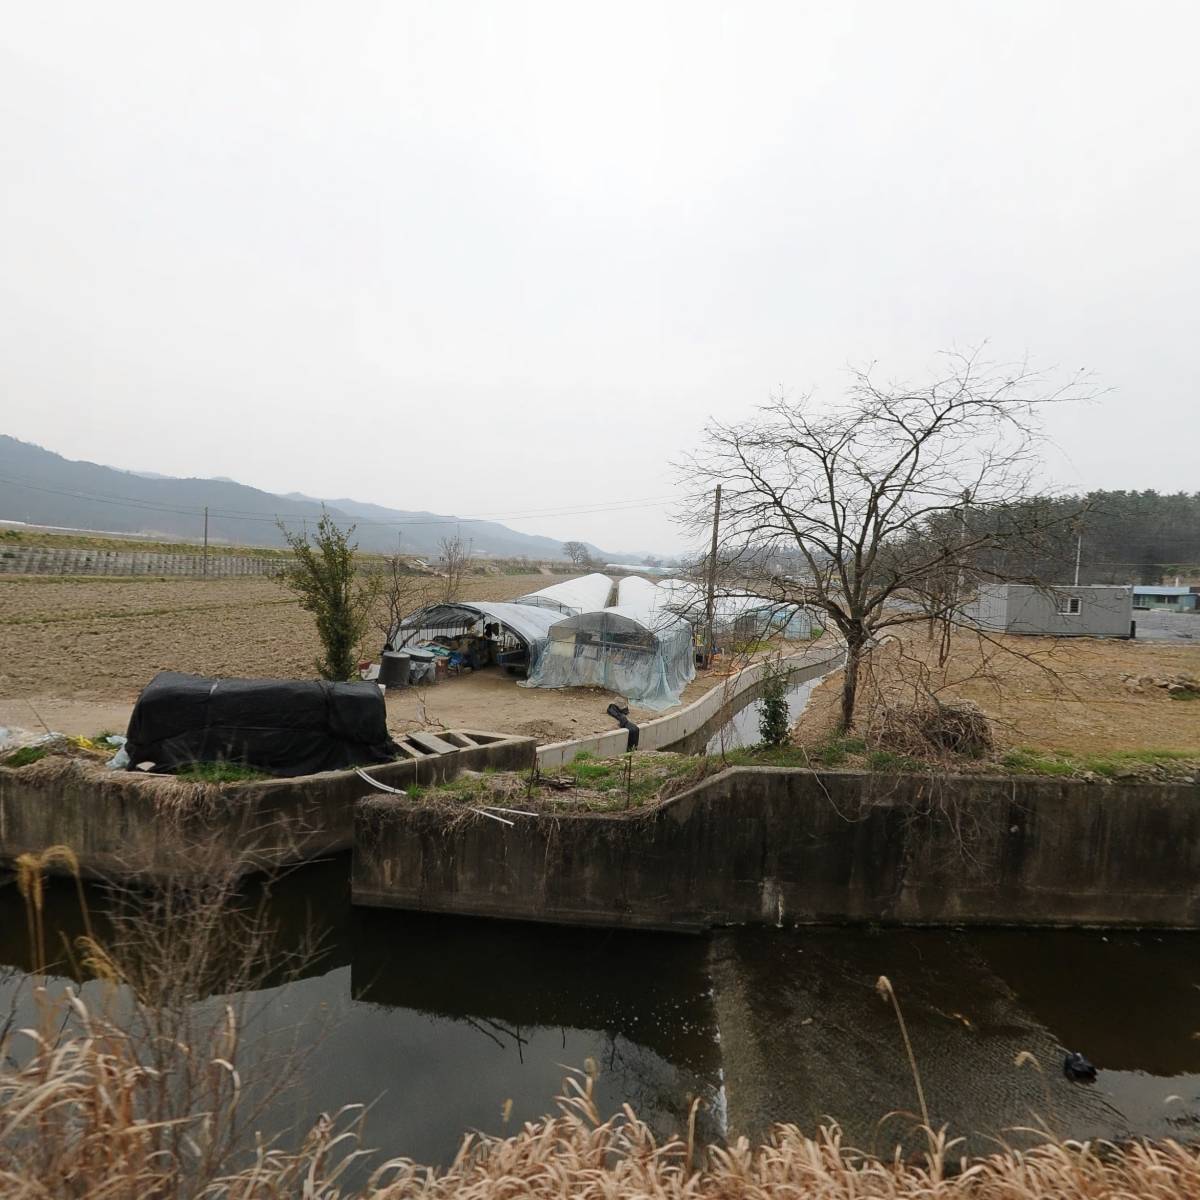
(633, 781)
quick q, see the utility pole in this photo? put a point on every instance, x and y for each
(206, 539)
(961, 573)
(711, 603)
(1078, 550)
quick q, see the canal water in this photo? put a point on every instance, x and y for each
(741, 729)
(444, 1025)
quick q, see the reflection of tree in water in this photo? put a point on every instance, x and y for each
(660, 1092)
(498, 1033)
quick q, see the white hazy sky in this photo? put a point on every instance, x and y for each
(504, 257)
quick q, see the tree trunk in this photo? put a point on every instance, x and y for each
(854, 651)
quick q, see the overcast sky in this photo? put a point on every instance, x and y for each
(505, 258)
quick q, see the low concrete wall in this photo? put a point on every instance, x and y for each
(124, 825)
(44, 560)
(772, 846)
(663, 733)
(714, 708)
(599, 745)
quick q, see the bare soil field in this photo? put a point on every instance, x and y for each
(1044, 693)
(75, 652)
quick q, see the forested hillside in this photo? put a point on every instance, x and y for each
(1137, 537)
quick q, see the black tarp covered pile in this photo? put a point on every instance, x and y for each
(281, 726)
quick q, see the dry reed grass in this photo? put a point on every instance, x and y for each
(74, 1118)
(94, 1109)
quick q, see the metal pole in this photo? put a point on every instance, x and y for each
(960, 572)
(710, 606)
(206, 539)
(1078, 553)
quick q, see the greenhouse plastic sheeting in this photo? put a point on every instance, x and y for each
(752, 613)
(528, 623)
(615, 649)
(585, 594)
(640, 596)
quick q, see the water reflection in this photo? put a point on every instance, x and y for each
(444, 1024)
(438, 1022)
(973, 1003)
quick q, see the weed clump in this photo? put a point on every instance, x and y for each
(220, 772)
(26, 755)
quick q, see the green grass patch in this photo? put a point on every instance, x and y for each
(889, 762)
(25, 756)
(220, 772)
(1111, 765)
(602, 785)
(1031, 762)
(591, 784)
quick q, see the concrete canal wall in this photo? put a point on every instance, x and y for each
(758, 845)
(125, 825)
(669, 732)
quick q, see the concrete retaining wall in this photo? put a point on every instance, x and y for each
(670, 730)
(599, 745)
(40, 560)
(666, 732)
(772, 846)
(124, 825)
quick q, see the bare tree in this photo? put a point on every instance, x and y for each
(893, 500)
(456, 559)
(401, 593)
(578, 553)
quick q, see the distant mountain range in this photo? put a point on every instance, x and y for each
(40, 487)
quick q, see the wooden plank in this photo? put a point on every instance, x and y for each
(432, 743)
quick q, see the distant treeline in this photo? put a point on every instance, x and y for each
(1121, 537)
(1136, 537)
